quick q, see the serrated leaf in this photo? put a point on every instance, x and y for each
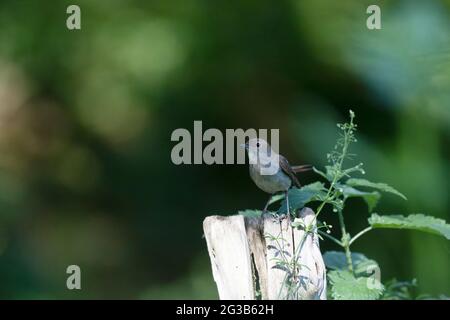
(362, 266)
(298, 198)
(414, 222)
(354, 182)
(345, 286)
(250, 213)
(371, 198)
(336, 260)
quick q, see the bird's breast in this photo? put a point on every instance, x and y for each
(270, 183)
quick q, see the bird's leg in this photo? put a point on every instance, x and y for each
(287, 203)
(267, 205)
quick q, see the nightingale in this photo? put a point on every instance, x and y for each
(282, 176)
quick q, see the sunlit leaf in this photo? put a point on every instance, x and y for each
(354, 182)
(345, 286)
(371, 198)
(414, 222)
(298, 198)
(362, 266)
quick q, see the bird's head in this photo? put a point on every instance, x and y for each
(257, 148)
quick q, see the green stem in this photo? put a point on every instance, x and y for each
(337, 176)
(330, 237)
(359, 234)
(329, 197)
(345, 241)
(345, 236)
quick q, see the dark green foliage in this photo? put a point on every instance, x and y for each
(352, 275)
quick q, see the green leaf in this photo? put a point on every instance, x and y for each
(371, 198)
(399, 290)
(298, 223)
(362, 266)
(354, 182)
(345, 286)
(276, 197)
(298, 198)
(336, 260)
(414, 222)
(251, 213)
(331, 172)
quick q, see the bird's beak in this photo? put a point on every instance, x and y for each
(244, 145)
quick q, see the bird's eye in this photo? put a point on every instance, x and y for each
(257, 144)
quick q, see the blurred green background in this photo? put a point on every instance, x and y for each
(86, 117)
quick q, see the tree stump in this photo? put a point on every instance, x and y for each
(265, 257)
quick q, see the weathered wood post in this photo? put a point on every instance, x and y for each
(265, 257)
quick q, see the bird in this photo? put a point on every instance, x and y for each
(281, 179)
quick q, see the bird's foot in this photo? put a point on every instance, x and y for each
(277, 217)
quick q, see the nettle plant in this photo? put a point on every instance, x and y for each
(351, 275)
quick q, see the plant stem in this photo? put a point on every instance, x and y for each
(345, 236)
(345, 241)
(339, 170)
(329, 197)
(359, 234)
(330, 237)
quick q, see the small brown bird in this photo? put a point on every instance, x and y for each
(260, 154)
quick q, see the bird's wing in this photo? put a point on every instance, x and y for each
(286, 167)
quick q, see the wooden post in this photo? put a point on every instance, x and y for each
(254, 258)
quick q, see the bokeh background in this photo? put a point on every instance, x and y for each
(86, 118)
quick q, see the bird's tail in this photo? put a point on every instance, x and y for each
(302, 168)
